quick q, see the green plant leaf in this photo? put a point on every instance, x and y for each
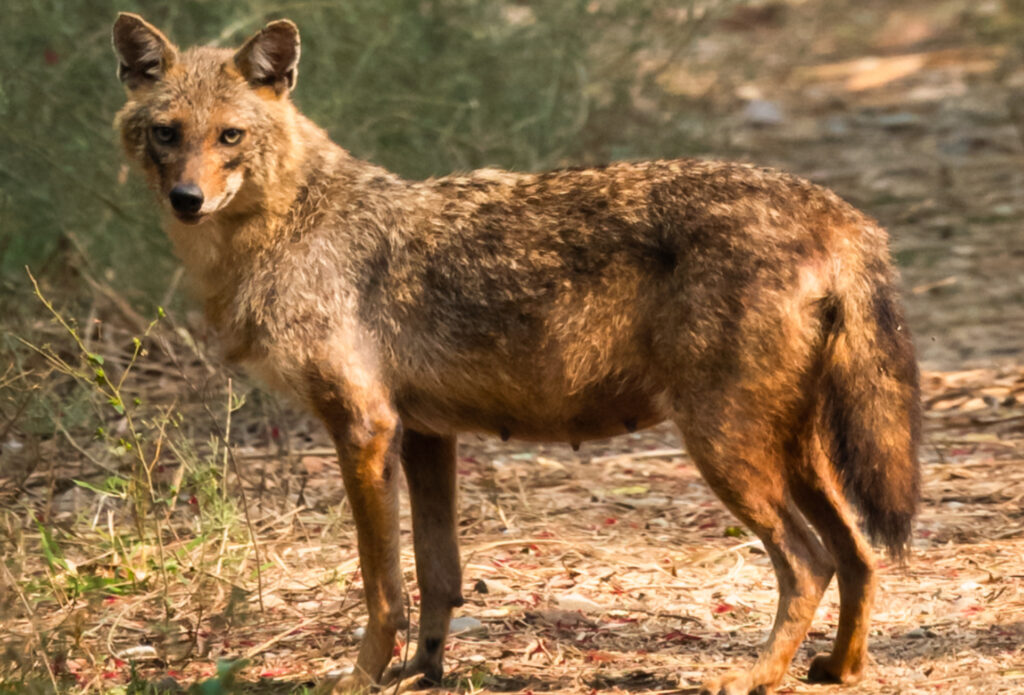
(51, 551)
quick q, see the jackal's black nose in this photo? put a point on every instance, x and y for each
(186, 198)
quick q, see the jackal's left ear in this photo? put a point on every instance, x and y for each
(271, 57)
(143, 53)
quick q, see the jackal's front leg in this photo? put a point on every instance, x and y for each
(363, 425)
(429, 463)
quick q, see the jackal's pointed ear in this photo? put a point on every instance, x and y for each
(271, 57)
(143, 53)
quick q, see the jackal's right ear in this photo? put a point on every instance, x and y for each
(271, 57)
(143, 53)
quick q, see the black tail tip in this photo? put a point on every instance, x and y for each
(893, 530)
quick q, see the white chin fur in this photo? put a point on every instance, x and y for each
(231, 187)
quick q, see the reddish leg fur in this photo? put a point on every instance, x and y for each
(769, 467)
(746, 467)
(818, 495)
(363, 428)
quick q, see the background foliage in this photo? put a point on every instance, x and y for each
(421, 87)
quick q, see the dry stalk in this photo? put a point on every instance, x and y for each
(35, 631)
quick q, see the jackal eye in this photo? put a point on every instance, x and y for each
(164, 134)
(231, 136)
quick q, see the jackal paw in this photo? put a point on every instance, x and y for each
(824, 669)
(418, 671)
(735, 683)
(345, 684)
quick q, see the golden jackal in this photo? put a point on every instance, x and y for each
(755, 310)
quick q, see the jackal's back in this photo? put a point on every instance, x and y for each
(567, 300)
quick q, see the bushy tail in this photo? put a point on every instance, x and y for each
(871, 410)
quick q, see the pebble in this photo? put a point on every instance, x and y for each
(762, 112)
(466, 625)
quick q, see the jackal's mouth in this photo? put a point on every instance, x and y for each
(189, 218)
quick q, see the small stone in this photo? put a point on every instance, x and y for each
(836, 127)
(762, 112)
(900, 120)
(466, 625)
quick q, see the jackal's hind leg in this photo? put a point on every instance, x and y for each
(817, 493)
(747, 470)
(429, 464)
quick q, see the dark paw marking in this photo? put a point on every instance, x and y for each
(819, 673)
(432, 676)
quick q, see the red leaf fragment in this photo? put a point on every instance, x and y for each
(274, 673)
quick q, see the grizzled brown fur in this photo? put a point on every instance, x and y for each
(752, 308)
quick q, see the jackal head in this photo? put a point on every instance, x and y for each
(208, 126)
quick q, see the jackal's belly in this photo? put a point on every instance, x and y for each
(602, 410)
